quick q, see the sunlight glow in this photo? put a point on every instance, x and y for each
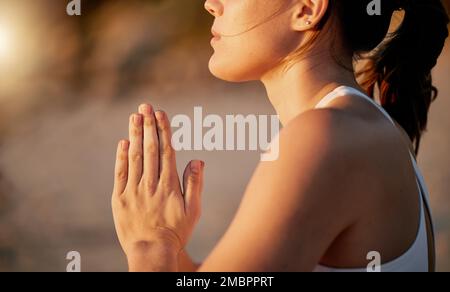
(5, 43)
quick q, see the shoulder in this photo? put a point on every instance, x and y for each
(325, 159)
(325, 133)
(283, 222)
(318, 153)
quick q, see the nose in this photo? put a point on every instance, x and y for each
(214, 7)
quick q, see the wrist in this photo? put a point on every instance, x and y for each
(153, 257)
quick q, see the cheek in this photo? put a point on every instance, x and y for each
(250, 55)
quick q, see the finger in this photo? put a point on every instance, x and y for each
(151, 148)
(168, 166)
(193, 186)
(135, 152)
(121, 168)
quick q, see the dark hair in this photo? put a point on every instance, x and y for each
(400, 63)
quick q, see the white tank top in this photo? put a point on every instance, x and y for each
(416, 258)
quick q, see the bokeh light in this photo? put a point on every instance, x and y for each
(5, 43)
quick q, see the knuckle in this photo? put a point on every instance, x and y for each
(193, 178)
(149, 122)
(136, 131)
(122, 157)
(167, 185)
(136, 157)
(163, 124)
(148, 186)
(122, 175)
(118, 201)
(152, 148)
(167, 150)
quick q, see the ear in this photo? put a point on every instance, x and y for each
(308, 13)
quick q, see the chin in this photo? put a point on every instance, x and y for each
(227, 71)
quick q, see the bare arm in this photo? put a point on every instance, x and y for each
(294, 207)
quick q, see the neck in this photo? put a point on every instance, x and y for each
(300, 87)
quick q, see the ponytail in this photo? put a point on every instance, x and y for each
(400, 68)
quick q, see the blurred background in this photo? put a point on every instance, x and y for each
(67, 86)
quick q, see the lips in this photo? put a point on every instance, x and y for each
(215, 33)
(216, 36)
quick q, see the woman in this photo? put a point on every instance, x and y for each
(345, 182)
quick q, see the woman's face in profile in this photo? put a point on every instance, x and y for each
(251, 37)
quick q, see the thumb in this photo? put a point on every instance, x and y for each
(193, 187)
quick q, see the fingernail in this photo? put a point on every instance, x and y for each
(137, 120)
(146, 109)
(195, 166)
(124, 145)
(159, 115)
